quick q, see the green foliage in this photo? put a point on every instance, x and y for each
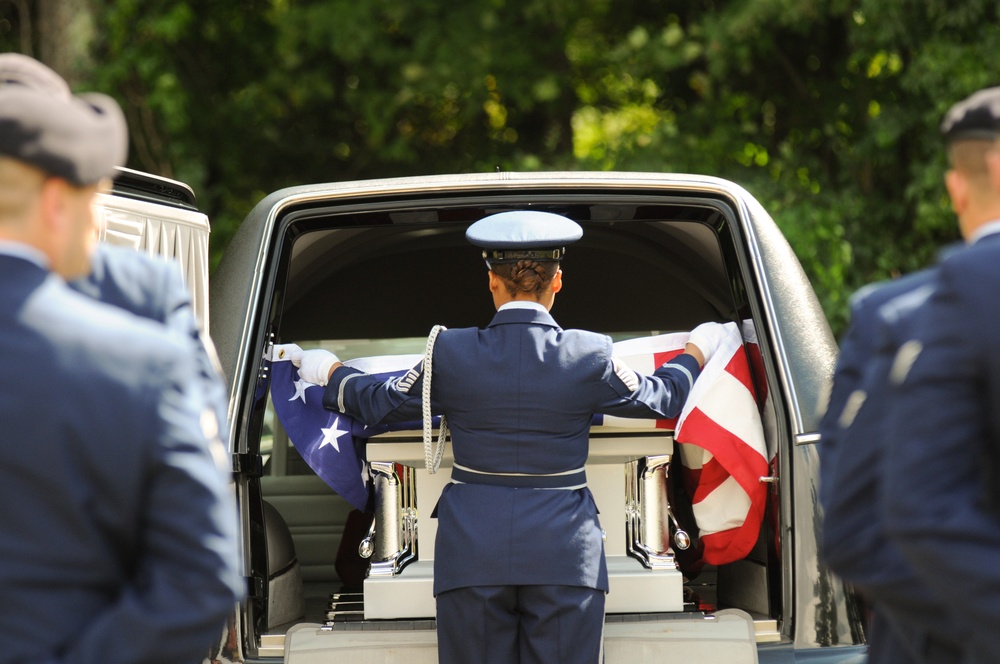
(827, 110)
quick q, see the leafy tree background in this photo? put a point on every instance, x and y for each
(826, 110)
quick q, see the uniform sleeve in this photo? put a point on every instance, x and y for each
(153, 288)
(853, 537)
(186, 582)
(938, 433)
(656, 396)
(853, 445)
(374, 400)
(844, 400)
(179, 317)
(856, 350)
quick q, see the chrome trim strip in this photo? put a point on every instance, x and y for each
(781, 357)
(810, 438)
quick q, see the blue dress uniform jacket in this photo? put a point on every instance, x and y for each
(852, 434)
(519, 396)
(945, 427)
(118, 529)
(845, 495)
(154, 288)
(147, 287)
(854, 429)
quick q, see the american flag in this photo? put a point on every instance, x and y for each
(724, 452)
(325, 439)
(719, 434)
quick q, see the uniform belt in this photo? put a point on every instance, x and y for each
(570, 479)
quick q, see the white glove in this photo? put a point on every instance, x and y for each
(314, 365)
(708, 337)
(286, 352)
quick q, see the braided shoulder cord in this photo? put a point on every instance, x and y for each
(432, 454)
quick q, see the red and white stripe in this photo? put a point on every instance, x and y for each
(720, 441)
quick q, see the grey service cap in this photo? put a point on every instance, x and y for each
(78, 138)
(508, 237)
(977, 117)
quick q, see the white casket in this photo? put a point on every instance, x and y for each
(627, 473)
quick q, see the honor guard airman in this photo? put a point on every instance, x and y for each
(942, 497)
(118, 525)
(519, 567)
(908, 621)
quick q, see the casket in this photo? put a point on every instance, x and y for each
(627, 471)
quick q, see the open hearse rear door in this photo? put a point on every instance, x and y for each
(366, 269)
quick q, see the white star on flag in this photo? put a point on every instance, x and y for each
(300, 390)
(311, 428)
(331, 435)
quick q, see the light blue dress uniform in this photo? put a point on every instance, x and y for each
(519, 569)
(909, 622)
